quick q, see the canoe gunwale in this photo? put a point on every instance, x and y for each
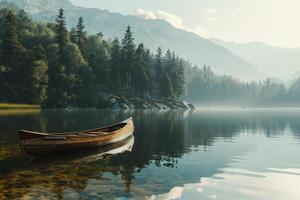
(25, 134)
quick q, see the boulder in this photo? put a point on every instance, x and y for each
(191, 106)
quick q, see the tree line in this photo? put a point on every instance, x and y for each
(206, 88)
(47, 64)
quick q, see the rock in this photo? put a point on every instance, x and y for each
(126, 102)
(191, 106)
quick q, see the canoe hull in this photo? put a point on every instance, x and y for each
(40, 146)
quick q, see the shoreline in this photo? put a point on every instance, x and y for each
(9, 106)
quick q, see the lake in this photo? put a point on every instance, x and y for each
(201, 154)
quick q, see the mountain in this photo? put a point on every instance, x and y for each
(279, 62)
(153, 33)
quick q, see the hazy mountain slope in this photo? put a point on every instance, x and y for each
(153, 33)
(273, 61)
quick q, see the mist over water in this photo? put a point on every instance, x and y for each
(206, 153)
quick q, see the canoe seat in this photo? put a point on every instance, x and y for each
(54, 137)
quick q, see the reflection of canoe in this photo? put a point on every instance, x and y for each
(104, 152)
(37, 144)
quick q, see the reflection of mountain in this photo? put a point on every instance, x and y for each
(271, 170)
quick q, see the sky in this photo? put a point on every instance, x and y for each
(275, 22)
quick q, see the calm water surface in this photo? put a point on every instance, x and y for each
(205, 154)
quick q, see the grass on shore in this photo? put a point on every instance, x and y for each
(18, 106)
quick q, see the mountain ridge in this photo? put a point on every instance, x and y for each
(154, 33)
(280, 62)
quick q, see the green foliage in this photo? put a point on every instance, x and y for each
(73, 35)
(11, 45)
(168, 90)
(45, 64)
(204, 87)
(127, 59)
(140, 79)
(81, 37)
(39, 82)
(98, 59)
(61, 34)
(115, 63)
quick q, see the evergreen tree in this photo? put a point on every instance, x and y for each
(59, 80)
(168, 61)
(98, 59)
(115, 63)
(61, 35)
(177, 76)
(11, 45)
(100, 34)
(158, 72)
(57, 96)
(167, 91)
(150, 71)
(81, 37)
(139, 76)
(127, 58)
(12, 59)
(38, 82)
(73, 35)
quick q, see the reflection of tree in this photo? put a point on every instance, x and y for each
(161, 138)
(54, 175)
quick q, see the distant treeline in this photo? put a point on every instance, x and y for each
(46, 64)
(207, 88)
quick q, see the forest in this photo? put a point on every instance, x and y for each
(47, 64)
(206, 88)
(54, 67)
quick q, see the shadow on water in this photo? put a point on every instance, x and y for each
(161, 141)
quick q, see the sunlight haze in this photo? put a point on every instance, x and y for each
(274, 22)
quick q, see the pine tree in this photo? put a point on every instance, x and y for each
(61, 34)
(11, 45)
(174, 67)
(168, 61)
(179, 78)
(127, 58)
(158, 72)
(81, 37)
(12, 58)
(167, 91)
(139, 76)
(115, 63)
(59, 80)
(150, 71)
(73, 35)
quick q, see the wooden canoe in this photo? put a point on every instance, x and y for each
(37, 144)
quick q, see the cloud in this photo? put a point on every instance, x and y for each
(199, 30)
(211, 19)
(174, 20)
(210, 11)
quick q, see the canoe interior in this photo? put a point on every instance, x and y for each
(24, 134)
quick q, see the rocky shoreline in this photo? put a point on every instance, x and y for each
(117, 101)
